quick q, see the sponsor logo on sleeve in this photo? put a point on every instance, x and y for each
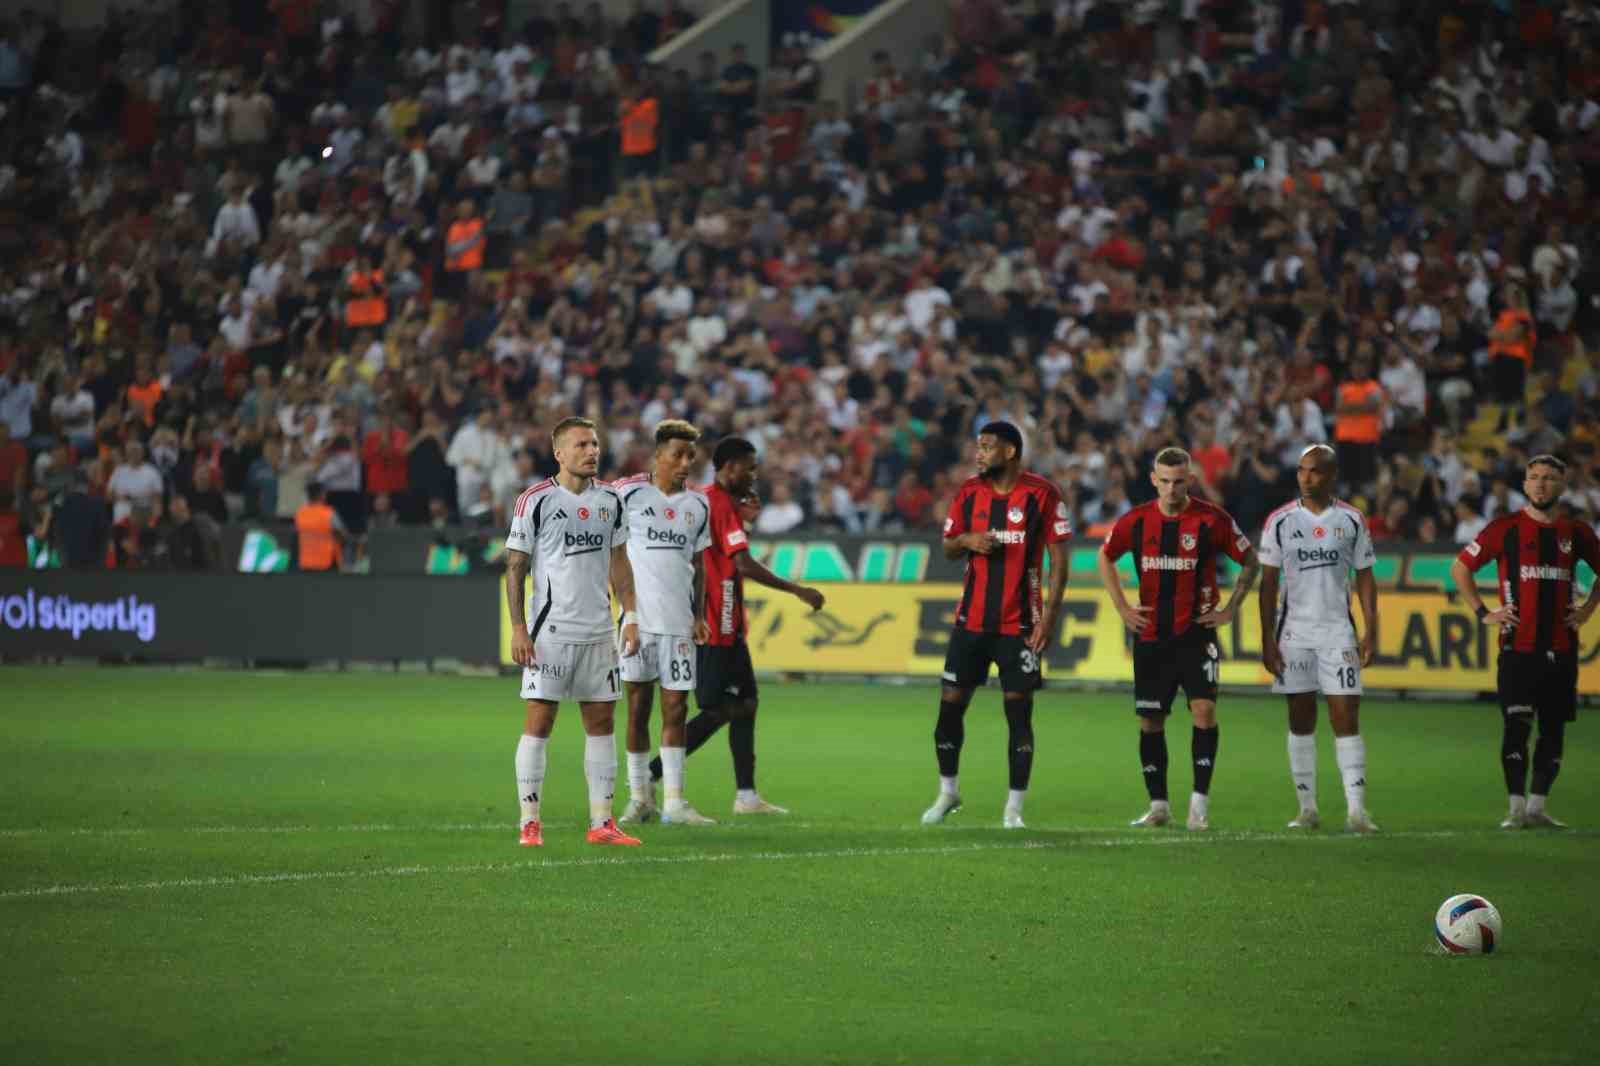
(736, 539)
(1061, 509)
(1474, 549)
(948, 523)
(1242, 542)
(1062, 529)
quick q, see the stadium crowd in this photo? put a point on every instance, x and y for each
(253, 247)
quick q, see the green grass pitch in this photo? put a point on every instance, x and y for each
(229, 868)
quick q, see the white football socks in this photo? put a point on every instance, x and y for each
(1519, 804)
(1199, 805)
(672, 773)
(1535, 803)
(1303, 769)
(600, 769)
(1352, 755)
(950, 786)
(1014, 798)
(530, 775)
(639, 774)
(746, 795)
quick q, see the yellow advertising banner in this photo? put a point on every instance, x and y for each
(1425, 641)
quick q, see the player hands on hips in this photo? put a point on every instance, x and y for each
(569, 535)
(1536, 551)
(1175, 540)
(1309, 549)
(1001, 521)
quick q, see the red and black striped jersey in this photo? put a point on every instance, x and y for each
(724, 583)
(1536, 561)
(1003, 591)
(1176, 557)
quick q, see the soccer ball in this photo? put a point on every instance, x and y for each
(1467, 925)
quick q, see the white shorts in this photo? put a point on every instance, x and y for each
(1331, 671)
(661, 657)
(583, 672)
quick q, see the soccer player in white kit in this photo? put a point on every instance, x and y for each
(569, 533)
(1308, 636)
(669, 526)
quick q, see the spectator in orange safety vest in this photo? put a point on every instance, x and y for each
(366, 303)
(319, 530)
(463, 251)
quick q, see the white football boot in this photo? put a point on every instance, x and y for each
(678, 812)
(1158, 815)
(945, 805)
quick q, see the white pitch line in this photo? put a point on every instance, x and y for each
(723, 827)
(245, 880)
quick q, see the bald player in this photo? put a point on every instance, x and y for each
(1309, 549)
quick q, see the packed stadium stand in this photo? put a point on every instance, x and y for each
(249, 247)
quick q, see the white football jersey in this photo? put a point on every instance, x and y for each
(569, 539)
(1316, 553)
(665, 533)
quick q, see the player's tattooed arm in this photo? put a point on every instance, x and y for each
(518, 566)
(1467, 586)
(622, 577)
(1246, 581)
(622, 583)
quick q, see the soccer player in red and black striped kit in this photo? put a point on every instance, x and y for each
(1537, 552)
(725, 689)
(1002, 521)
(1175, 540)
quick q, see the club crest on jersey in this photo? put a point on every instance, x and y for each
(583, 514)
(683, 648)
(1319, 532)
(1015, 514)
(605, 514)
(671, 514)
(1338, 531)
(1188, 542)
(1566, 547)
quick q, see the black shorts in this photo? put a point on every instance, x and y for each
(1542, 683)
(1161, 666)
(725, 672)
(966, 663)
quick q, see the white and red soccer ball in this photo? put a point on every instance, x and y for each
(1467, 925)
